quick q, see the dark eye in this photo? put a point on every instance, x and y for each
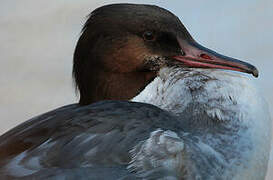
(149, 36)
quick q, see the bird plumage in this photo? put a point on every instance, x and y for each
(182, 122)
(212, 135)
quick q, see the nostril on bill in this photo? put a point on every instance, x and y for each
(205, 56)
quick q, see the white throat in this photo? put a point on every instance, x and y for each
(219, 91)
(223, 96)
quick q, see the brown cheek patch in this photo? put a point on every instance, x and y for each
(129, 56)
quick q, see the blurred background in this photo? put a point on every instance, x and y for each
(37, 40)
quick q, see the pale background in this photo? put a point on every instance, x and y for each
(37, 40)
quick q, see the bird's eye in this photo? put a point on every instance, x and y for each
(149, 36)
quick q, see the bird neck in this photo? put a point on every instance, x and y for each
(104, 85)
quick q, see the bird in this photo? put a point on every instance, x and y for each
(154, 104)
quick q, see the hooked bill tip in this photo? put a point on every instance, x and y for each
(255, 73)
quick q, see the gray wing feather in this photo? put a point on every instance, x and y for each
(75, 141)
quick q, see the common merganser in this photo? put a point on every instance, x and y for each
(154, 104)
